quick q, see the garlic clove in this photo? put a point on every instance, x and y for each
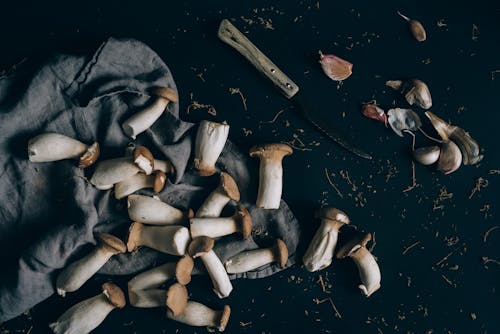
(415, 91)
(371, 110)
(450, 158)
(334, 67)
(403, 119)
(427, 155)
(416, 28)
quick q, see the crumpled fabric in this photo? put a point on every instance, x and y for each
(49, 212)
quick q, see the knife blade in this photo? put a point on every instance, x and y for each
(229, 34)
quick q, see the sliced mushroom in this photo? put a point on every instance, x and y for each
(197, 314)
(319, 254)
(253, 259)
(202, 247)
(143, 119)
(144, 159)
(77, 273)
(88, 314)
(369, 272)
(139, 181)
(415, 91)
(210, 140)
(240, 222)
(175, 298)
(270, 173)
(167, 239)
(53, 147)
(217, 200)
(152, 211)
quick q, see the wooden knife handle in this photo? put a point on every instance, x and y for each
(232, 36)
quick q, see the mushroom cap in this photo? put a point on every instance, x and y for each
(229, 186)
(113, 243)
(176, 300)
(281, 251)
(90, 156)
(200, 245)
(333, 214)
(276, 150)
(359, 239)
(159, 182)
(133, 234)
(114, 294)
(167, 93)
(144, 159)
(224, 319)
(244, 220)
(183, 269)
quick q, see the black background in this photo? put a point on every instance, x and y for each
(420, 293)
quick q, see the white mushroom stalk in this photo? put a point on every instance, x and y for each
(270, 173)
(175, 298)
(202, 247)
(369, 271)
(319, 254)
(168, 239)
(152, 211)
(240, 222)
(143, 119)
(89, 314)
(217, 200)
(210, 140)
(197, 314)
(165, 166)
(140, 181)
(109, 172)
(253, 259)
(77, 273)
(54, 147)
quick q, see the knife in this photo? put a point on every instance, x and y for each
(229, 34)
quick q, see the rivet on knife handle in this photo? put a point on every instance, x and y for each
(232, 36)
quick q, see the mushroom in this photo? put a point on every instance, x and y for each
(88, 314)
(140, 181)
(143, 119)
(175, 298)
(253, 259)
(270, 173)
(197, 314)
(167, 239)
(154, 278)
(53, 147)
(319, 254)
(217, 200)
(144, 159)
(240, 222)
(152, 211)
(202, 247)
(210, 140)
(369, 271)
(165, 166)
(77, 273)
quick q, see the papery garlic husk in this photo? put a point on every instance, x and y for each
(450, 158)
(415, 91)
(334, 67)
(403, 119)
(416, 28)
(371, 110)
(426, 155)
(468, 146)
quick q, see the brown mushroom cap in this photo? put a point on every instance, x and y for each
(281, 253)
(90, 156)
(274, 151)
(143, 157)
(176, 299)
(133, 236)
(333, 214)
(244, 221)
(167, 93)
(229, 186)
(359, 239)
(114, 294)
(183, 269)
(112, 243)
(200, 245)
(224, 319)
(159, 182)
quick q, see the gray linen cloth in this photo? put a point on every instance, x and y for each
(49, 212)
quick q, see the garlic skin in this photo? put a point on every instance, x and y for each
(403, 119)
(426, 155)
(416, 28)
(334, 67)
(371, 110)
(415, 91)
(450, 158)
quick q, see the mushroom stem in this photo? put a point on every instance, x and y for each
(240, 222)
(88, 314)
(369, 270)
(253, 259)
(140, 181)
(165, 166)
(147, 298)
(152, 211)
(77, 273)
(217, 200)
(167, 239)
(109, 172)
(210, 140)
(197, 314)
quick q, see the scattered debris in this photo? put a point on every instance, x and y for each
(195, 106)
(406, 249)
(332, 184)
(475, 32)
(329, 299)
(480, 183)
(243, 99)
(487, 233)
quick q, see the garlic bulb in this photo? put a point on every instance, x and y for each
(415, 91)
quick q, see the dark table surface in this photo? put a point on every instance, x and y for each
(439, 263)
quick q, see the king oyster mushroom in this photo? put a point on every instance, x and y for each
(170, 239)
(151, 210)
(217, 200)
(199, 315)
(415, 91)
(214, 227)
(210, 141)
(253, 259)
